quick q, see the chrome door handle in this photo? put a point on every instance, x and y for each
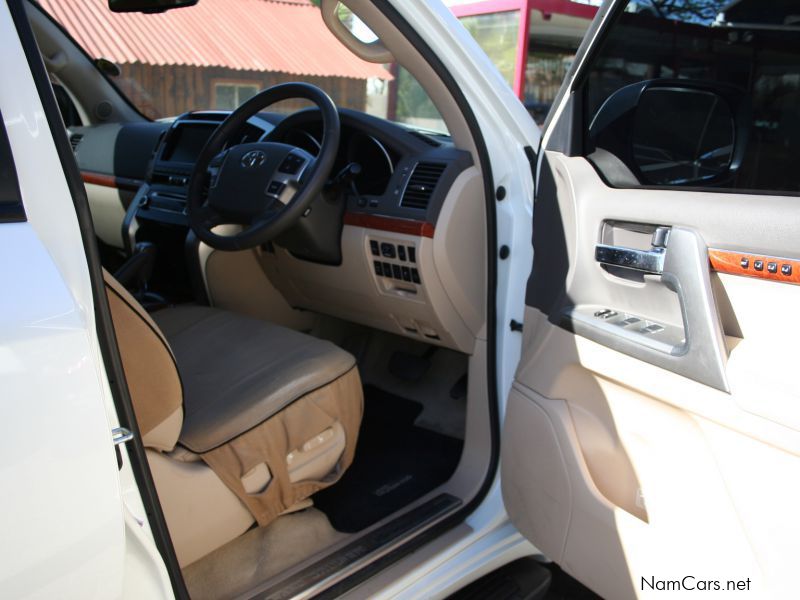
(647, 261)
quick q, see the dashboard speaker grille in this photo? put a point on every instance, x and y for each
(421, 184)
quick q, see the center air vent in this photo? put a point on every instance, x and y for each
(421, 184)
(74, 140)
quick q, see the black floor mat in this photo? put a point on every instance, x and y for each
(395, 463)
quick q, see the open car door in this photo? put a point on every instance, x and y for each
(652, 435)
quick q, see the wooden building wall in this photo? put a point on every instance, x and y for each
(163, 91)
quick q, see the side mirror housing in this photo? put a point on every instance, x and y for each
(675, 132)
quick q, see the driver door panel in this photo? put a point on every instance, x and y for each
(630, 457)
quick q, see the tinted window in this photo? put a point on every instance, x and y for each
(751, 45)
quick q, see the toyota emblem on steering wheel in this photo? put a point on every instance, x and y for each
(254, 158)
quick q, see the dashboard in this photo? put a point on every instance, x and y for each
(404, 267)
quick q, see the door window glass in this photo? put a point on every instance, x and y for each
(749, 48)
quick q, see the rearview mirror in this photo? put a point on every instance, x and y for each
(675, 132)
(147, 6)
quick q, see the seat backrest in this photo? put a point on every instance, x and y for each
(150, 369)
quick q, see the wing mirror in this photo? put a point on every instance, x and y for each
(675, 132)
(147, 6)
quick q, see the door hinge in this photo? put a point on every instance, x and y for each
(515, 325)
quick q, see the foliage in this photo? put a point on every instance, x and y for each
(691, 11)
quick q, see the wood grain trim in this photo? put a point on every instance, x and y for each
(112, 181)
(732, 262)
(407, 226)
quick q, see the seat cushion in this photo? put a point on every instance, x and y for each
(238, 371)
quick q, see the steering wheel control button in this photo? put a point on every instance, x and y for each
(373, 247)
(292, 164)
(275, 188)
(415, 276)
(772, 267)
(401, 253)
(786, 270)
(745, 262)
(388, 250)
(758, 265)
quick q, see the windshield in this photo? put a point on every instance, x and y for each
(217, 54)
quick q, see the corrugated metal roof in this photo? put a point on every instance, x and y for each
(259, 35)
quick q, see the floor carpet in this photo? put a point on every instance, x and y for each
(395, 463)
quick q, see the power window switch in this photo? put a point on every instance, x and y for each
(654, 328)
(629, 321)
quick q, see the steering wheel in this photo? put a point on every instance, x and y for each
(262, 186)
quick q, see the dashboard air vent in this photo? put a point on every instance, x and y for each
(75, 140)
(421, 184)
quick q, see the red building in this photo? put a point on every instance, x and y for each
(216, 54)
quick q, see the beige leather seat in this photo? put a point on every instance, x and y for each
(242, 420)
